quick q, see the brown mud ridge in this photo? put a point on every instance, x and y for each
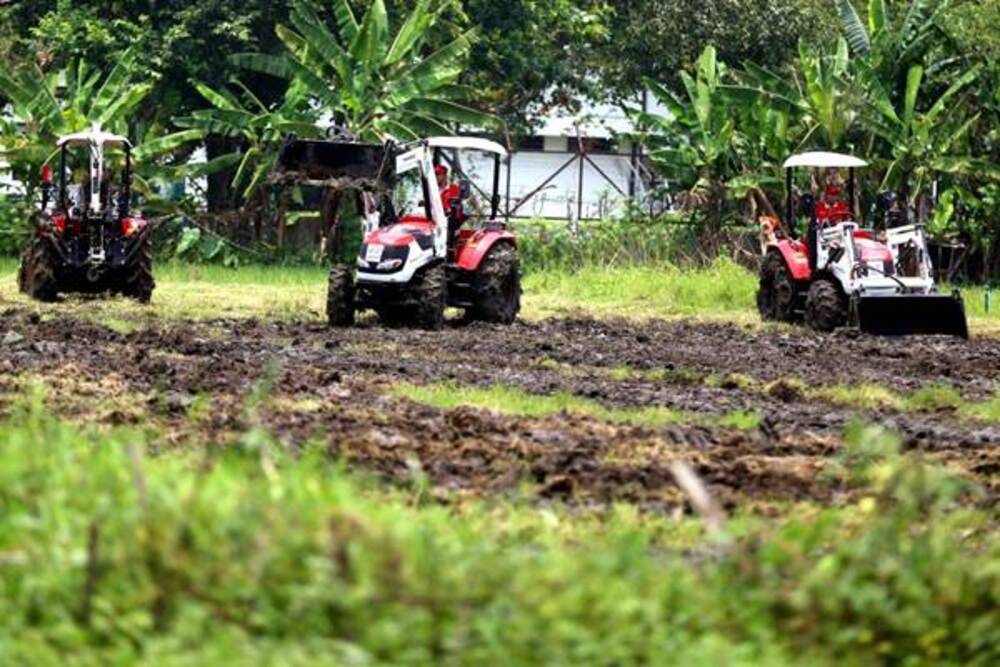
(335, 385)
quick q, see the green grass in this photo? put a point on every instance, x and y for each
(252, 556)
(722, 291)
(514, 401)
(927, 399)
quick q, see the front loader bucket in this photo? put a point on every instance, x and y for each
(910, 314)
(317, 160)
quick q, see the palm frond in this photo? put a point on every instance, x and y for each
(853, 28)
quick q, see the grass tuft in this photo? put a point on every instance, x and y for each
(514, 401)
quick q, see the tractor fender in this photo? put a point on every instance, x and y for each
(473, 251)
(796, 256)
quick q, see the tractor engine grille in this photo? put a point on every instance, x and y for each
(393, 258)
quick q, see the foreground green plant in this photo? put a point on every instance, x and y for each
(252, 556)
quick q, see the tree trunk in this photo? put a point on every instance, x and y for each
(220, 184)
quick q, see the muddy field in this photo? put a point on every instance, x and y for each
(197, 380)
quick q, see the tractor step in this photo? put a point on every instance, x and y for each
(910, 314)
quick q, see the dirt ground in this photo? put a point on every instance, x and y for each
(197, 378)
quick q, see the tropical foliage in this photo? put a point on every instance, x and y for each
(255, 127)
(909, 84)
(46, 105)
(374, 85)
(897, 91)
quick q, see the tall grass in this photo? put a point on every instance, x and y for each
(720, 288)
(555, 246)
(252, 556)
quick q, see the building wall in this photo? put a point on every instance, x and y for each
(561, 196)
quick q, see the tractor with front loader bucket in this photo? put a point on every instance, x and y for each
(87, 239)
(840, 274)
(422, 246)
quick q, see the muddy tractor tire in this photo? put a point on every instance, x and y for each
(139, 283)
(776, 291)
(429, 295)
(826, 306)
(340, 297)
(37, 273)
(498, 287)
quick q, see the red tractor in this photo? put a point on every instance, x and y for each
(879, 279)
(86, 239)
(422, 248)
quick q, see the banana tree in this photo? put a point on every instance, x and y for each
(924, 144)
(890, 48)
(42, 106)
(697, 144)
(882, 40)
(257, 129)
(374, 84)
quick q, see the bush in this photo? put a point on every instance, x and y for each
(639, 241)
(15, 225)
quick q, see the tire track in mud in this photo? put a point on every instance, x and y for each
(335, 384)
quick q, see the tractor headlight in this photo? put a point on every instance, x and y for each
(389, 265)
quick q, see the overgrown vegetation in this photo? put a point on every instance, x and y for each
(113, 554)
(911, 85)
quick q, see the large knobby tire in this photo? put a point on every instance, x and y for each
(429, 292)
(826, 306)
(37, 274)
(340, 297)
(498, 286)
(139, 283)
(776, 291)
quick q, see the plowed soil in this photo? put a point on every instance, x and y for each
(200, 378)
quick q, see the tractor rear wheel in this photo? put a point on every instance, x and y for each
(37, 274)
(826, 306)
(340, 297)
(430, 293)
(139, 283)
(776, 291)
(498, 287)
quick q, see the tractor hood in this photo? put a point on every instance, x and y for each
(401, 234)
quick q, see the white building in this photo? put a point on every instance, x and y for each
(576, 166)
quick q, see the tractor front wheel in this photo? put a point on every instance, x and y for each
(340, 297)
(826, 306)
(37, 274)
(430, 293)
(498, 287)
(139, 283)
(776, 292)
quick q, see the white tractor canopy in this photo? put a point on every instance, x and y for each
(93, 138)
(467, 143)
(822, 160)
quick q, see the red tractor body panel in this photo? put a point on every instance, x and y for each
(473, 246)
(796, 256)
(872, 251)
